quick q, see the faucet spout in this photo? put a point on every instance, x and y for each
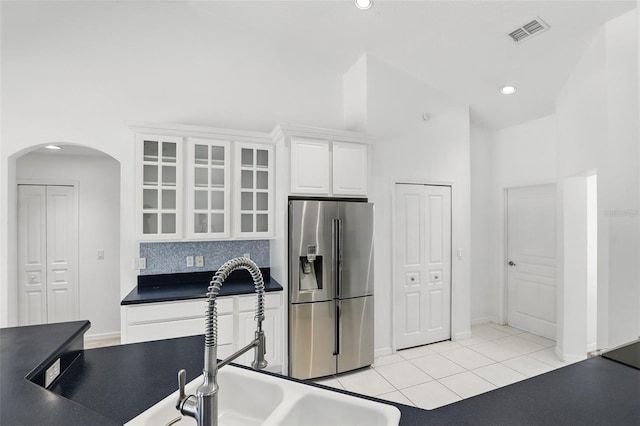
(204, 405)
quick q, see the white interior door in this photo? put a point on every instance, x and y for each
(531, 259)
(47, 253)
(32, 254)
(422, 282)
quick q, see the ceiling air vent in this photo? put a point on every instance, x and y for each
(528, 30)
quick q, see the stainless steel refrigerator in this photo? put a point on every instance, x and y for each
(330, 287)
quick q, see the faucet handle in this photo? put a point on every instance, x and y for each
(187, 405)
(182, 382)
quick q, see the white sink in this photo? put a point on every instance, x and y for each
(249, 398)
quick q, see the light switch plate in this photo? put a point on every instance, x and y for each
(199, 261)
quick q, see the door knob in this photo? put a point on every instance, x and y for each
(511, 263)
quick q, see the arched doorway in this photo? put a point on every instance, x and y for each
(96, 177)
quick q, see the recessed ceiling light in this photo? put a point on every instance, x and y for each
(364, 4)
(508, 90)
(52, 147)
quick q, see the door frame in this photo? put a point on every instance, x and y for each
(15, 300)
(503, 247)
(393, 269)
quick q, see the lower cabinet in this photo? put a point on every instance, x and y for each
(236, 324)
(272, 327)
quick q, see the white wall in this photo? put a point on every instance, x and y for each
(623, 172)
(77, 72)
(408, 149)
(99, 221)
(522, 155)
(597, 116)
(594, 130)
(484, 244)
(525, 154)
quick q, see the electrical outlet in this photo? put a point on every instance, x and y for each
(52, 373)
(190, 261)
(247, 255)
(199, 261)
(140, 263)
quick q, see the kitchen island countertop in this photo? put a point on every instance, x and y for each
(111, 385)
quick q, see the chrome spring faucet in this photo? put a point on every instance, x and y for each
(203, 406)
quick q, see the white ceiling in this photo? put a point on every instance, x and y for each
(459, 47)
(69, 149)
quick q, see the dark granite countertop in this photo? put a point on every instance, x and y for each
(114, 384)
(25, 352)
(193, 285)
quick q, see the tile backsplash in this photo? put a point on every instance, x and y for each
(171, 257)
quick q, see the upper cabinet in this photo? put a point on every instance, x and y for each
(326, 162)
(254, 196)
(350, 171)
(203, 183)
(159, 187)
(208, 188)
(310, 167)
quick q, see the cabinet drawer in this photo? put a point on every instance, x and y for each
(165, 330)
(180, 328)
(154, 312)
(248, 303)
(225, 305)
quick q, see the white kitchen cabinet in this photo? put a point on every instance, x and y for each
(208, 189)
(166, 320)
(254, 190)
(324, 167)
(159, 187)
(272, 326)
(310, 167)
(203, 183)
(349, 168)
(236, 324)
(325, 162)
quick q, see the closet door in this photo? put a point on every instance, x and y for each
(61, 243)
(47, 253)
(423, 264)
(32, 254)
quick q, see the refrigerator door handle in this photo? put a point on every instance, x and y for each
(339, 260)
(334, 257)
(338, 336)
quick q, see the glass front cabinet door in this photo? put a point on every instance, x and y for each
(159, 187)
(208, 183)
(254, 191)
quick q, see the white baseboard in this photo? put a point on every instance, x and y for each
(568, 358)
(382, 352)
(461, 336)
(484, 320)
(101, 336)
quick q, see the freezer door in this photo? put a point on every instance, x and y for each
(355, 268)
(355, 333)
(311, 251)
(312, 340)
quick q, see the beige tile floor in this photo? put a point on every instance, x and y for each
(100, 343)
(434, 375)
